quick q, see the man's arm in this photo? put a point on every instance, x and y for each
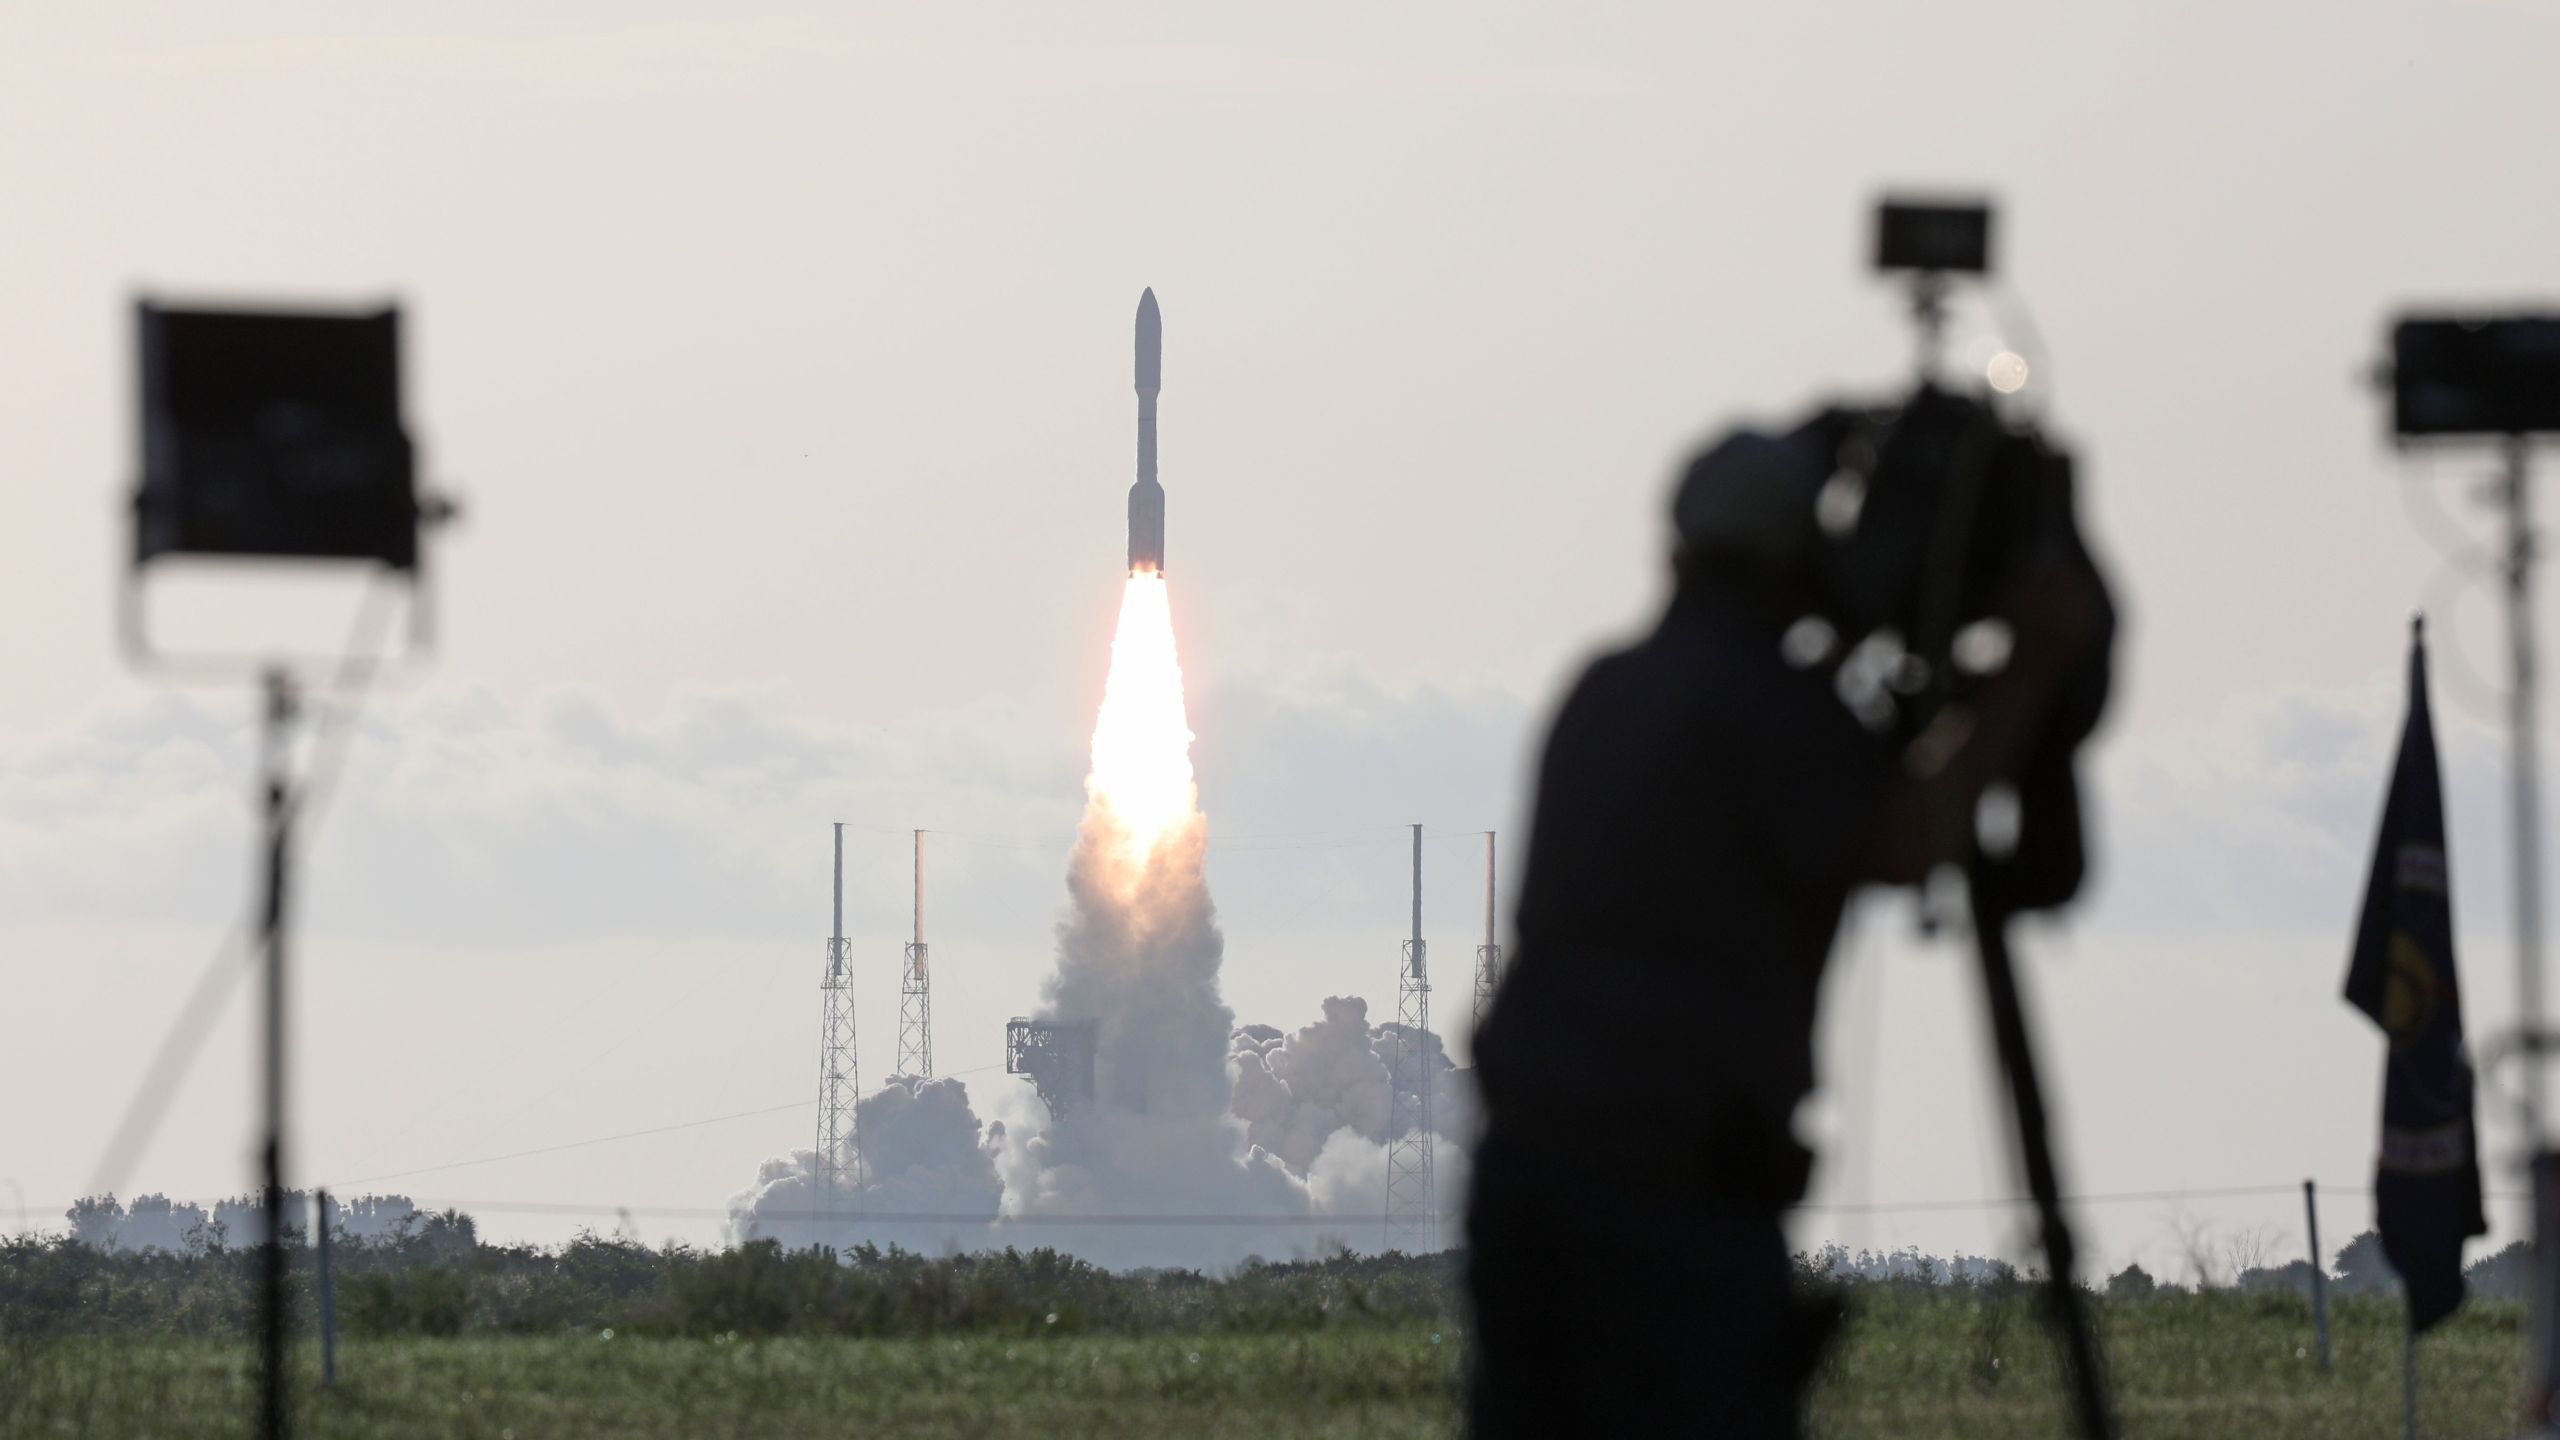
(1926, 816)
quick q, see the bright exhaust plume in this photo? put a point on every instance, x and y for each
(1141, 781)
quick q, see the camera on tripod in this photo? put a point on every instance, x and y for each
(1935, 504)
(1903, 538)
(1934, 237)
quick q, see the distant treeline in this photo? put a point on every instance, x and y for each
(435, 1278)
(156, 1222)
(2238, 1263)
(430, 1274)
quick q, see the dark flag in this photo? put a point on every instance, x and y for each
(2427, 1182)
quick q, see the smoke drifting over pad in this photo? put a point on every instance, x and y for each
(1196, 1143)
(923, 1153)
(1138, 956)
(1297, 1093)
(1192, 1116)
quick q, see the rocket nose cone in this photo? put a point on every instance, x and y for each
(1150, 343)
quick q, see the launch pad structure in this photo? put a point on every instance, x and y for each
(1413, 1206)
(839, 1070)
(1057, 1055)
(915, 992)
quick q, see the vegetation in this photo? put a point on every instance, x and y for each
(1326, 1383)
(1975, 1362)
(449, 1337)
(436, 1281)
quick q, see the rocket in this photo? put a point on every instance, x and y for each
(1146, 498)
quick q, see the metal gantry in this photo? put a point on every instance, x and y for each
(1413, 1208)
(1488, 954)
(1057, 1056)
(915, 992)
(839, 1070)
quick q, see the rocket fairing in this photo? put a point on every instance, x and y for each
(1146, 498)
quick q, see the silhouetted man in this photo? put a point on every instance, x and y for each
(1704, 809)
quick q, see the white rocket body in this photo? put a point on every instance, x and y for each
(1146, 498)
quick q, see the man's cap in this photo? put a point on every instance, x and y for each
(1750, 495)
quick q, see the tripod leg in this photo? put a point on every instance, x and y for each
(2066, 1307)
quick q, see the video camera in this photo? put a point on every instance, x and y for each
(1934, 504)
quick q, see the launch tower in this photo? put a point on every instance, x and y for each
(1413, 1207)
(915, 992)
(1058, 1057)
(839, 1073)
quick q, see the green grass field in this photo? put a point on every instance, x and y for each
(1321, 1384)
(2213, 1365)
(1953, 1365)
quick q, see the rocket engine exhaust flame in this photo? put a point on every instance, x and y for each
(1186, 1114)
(1141, 785)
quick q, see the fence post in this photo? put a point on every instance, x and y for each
(328, 1300)
(2319, 1272)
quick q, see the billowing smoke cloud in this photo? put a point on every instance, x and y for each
(1195, 1143)
(1295, 1092)
(926, 1178)
(1138, 957)
(1319, 1101)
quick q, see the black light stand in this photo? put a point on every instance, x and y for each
(275, 747)
(2497, 378)
(273, 436)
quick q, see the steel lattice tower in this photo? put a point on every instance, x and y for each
(839, 1074)
(1057, 1056)
(1413, 1207)
(1488, 954)
(915, 992)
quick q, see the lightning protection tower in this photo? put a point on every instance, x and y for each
(1413, 1218)
(915, 992)
(839, 1074)
(1488, 954)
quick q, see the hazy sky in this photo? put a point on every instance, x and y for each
(782, 361)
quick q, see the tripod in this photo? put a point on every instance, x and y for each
(2066, 1306)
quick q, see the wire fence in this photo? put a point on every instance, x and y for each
(858, 1215)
